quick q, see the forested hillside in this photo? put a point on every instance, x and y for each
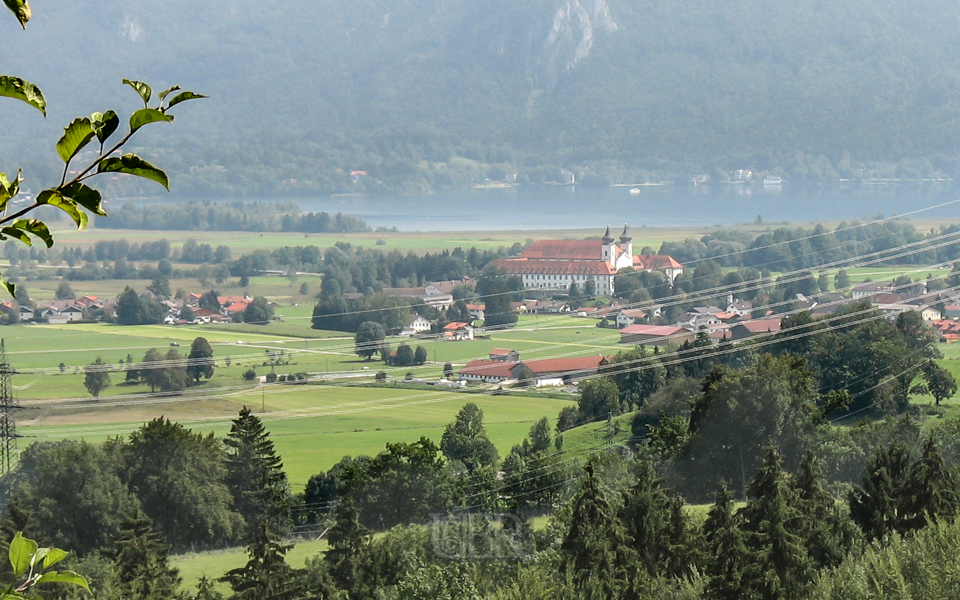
(430, 94)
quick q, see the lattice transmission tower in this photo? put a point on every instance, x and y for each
(8, 406)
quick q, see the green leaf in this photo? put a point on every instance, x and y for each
(12, 232)
(64, 577)
(132, 164)
(183, 97)
(20, 8)
(35, 227)
(145, 116)
(141, 88)
(76, 135)
(55, 198)
(163, 95)
(104, 124)
(14, 87)
(54, 556)
(86, 197)
(21, 548)
(9, 189)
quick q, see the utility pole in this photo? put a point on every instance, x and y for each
(8, 424)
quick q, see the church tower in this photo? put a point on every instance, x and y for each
(626, 245)
(607, 246)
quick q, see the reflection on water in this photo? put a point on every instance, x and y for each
(557, 207)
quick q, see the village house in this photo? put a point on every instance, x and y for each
(749, 329)
(416, 326)
(429, 296)
(504, 355)
(477, 311)
(458, 331)
(871, 288)
(630, 316)
(655, 335)
(740, 307)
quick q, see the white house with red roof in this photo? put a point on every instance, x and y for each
(458, 331)
(555, 264)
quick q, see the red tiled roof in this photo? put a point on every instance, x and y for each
(476, 307)
(580, 250)
(656, 261)
(761, 325)
(500, 352)
(488, 368)
(237, 307)
(662, 330)
(454, 326)
(522, 266)
(562, 365)
(887, 298)
(634, 313)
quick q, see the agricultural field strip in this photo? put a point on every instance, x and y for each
(702, 292)
(556, 344)
(305, 413)
(284, 415)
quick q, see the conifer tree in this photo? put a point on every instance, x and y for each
(255, 475)
(826, 530)
(645, 515)
(266, 576)
(778, 566)
(596, 547)
(726, 549)
(932, 489)
(349, 541)
(140, 562)
(206, 590)
(683, 545)
(879, 506)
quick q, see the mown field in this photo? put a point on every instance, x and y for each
(313, 425)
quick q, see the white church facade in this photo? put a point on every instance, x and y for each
(555, 264)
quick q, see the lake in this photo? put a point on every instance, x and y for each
(568, 207)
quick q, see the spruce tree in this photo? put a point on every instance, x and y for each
(255, 476)
(726, 549)
(645, 515)
(349, 541)
(778, 566)
(879, 506)
(140, 562)
(825, 529)
(266, 576)
(932, 489)
(596, 547)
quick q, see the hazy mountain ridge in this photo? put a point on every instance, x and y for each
(304, 92)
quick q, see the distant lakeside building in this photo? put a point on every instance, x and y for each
(555, 264)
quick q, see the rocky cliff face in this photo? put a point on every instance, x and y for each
(575, 26)
(571, 37)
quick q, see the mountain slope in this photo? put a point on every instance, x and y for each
(303, 91)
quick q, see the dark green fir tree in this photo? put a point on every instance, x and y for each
(255, 476)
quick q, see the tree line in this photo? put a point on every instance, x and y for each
(234, 216)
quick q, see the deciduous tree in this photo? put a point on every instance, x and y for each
(96, 377)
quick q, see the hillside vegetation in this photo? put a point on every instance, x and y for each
(431, 94)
